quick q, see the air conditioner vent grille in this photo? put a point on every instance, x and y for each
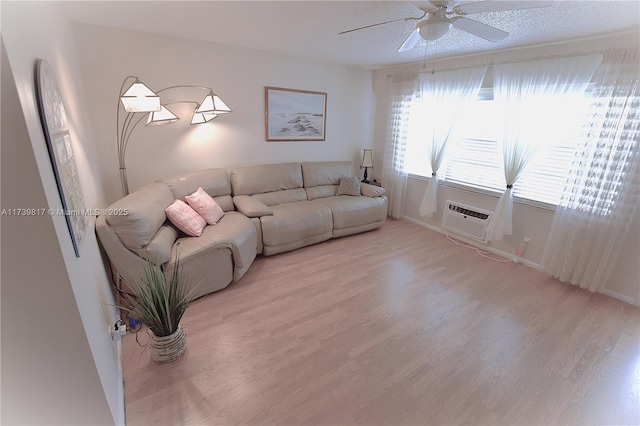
(468, 212)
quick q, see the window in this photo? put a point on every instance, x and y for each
(474, 158)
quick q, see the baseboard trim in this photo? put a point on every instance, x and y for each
(501, 253)
(619, 296)
(477, 244)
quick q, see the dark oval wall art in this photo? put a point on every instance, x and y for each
(56, 132)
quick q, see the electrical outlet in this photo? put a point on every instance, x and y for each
(122, 330)
(523, 246)
(117, 330)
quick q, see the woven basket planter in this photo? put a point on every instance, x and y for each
(168, 348)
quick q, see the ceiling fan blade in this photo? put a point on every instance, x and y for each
(425, 5)
(479, 29)
(411, 41)
(383, 23)
(498, 6)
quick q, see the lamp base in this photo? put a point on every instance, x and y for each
(365, 180)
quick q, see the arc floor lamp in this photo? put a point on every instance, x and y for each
(138, 100)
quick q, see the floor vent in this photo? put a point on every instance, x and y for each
(467, 221)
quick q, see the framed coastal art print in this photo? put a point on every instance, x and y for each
(56, 132)
(295, 115)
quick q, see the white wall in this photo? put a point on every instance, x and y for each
(59, 365)
(528, 221)
(239, 76)
(62, 367)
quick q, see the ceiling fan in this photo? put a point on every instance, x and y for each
(440, 17)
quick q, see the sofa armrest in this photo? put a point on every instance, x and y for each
(125, 264)
(251, 207)
(158, 250)
(371, 190)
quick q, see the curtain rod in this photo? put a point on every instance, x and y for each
(518, 60)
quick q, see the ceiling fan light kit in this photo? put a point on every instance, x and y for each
(440, 20)
(433, 29)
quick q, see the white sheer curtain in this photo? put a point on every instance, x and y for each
(601, 195)
(442, 95)
(394, 178)
(521, 91)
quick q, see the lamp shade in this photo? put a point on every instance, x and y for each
(202, 117)
(367, 158)
(164, 116)
(139, 98)
(213, 104)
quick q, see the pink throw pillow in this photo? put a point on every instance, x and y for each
(205, 206)
(185, 218)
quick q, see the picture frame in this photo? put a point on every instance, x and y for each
(294, 115)
(56, 131)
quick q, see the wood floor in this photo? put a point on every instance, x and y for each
(397, 326)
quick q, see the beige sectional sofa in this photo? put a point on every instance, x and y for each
(269, 209)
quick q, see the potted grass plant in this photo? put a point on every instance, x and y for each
(159, 302)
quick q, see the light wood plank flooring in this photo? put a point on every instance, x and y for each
(397, 326)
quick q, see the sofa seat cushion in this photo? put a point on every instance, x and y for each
(296, 222)
(349, 212)
(234, 231)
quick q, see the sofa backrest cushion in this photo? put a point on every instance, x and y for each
(137, 217)
(322, 178)
(214, 182)
(321, 191)
(281, 197)
(266, 178)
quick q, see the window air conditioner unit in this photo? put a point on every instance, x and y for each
(470, 222)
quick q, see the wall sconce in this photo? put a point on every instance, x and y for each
(138, 98)
(367, 161)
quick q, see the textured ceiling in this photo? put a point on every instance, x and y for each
(310, 28)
